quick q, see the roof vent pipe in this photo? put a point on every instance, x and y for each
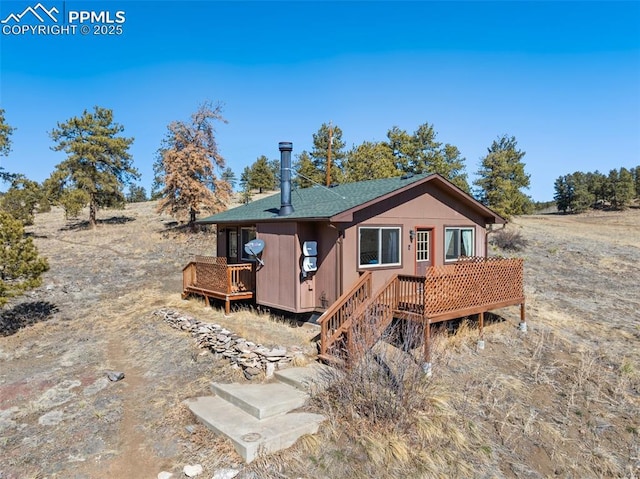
(285, 178)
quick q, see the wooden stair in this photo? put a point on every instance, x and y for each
(359, 319)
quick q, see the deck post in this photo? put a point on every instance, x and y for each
(227, 306)
(523, 320)
(426, 366)
(481, 330)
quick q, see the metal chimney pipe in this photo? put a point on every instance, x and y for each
(285, 178)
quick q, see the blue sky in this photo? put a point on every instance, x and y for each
(562, 77)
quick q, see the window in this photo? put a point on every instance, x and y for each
(379, 246)
(232, 244)
(246, 235)
(458, 242)
(422, 245)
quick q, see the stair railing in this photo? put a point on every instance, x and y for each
(336, 320)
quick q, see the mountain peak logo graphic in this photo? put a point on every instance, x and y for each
(39, 12)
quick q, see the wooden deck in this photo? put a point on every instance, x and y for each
(212, 277)
(471, 286)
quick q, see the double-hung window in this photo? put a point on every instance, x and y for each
(458, 242)
(379, 246)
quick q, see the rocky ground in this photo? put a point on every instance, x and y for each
(60, 415)
(560, 401)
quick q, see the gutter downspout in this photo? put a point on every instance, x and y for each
(339, 256)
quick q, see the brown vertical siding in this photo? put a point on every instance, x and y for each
(420, 206)
(277, 282)
(325, 280)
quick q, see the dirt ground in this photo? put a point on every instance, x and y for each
(562, 400)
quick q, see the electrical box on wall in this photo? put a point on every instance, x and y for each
(310, 257)
(309, 264)
(310, 248)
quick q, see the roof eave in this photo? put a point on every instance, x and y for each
(282, 219)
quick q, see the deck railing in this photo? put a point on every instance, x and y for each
(372, 318)
(212, 273)
(410, 294)
(335, 321)
(472, 285)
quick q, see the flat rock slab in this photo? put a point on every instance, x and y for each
(251, 436)
(261, 400)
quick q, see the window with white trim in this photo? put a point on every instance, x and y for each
(379, 246)
(246, 235)
(458, 242)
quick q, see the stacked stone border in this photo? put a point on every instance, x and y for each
(254, 359)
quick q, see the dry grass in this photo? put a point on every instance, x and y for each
(387, 419)
(558, 401)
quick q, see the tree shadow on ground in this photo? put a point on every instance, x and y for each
(25, 314)
(175, 229)
(85, 225)
(31, 234)
(451, 326)
(408, 335)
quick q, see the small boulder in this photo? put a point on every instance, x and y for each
(115, 375)
(225, 473)
(192, 471)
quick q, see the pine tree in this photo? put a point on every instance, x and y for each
(245, 180)
(98, 161)
(261, 175)
(275, 169)
(420, 153)
(22, 199)
(563, 194)
(328, 138)
(369, 161)
(502, 177)
(622, 188)
(450, 164)
(426, 151)
(306, 172)
(5, 145)
(404, 150)
(229, 176)
(137, 194)
(188, 160)
(20, 266)
(597, 186)
(580, 197)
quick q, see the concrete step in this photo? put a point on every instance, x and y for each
(262, 400)
(311, 378)
(251, 436)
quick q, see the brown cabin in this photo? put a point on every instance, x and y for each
(389, 226)
(412, 247)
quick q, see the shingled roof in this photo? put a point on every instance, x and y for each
(320, 203)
